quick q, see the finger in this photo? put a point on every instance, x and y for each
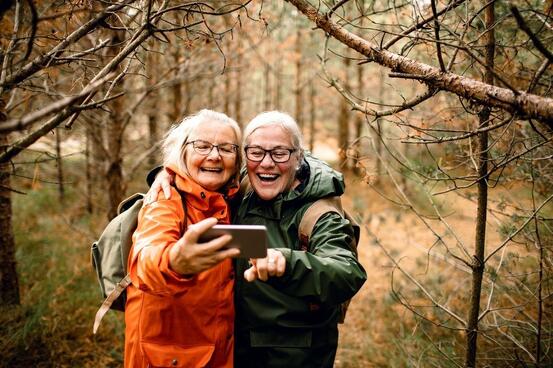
(262, 269)
(166, 189)
(216, 245)
(280, 265)
(227, 253)
(250, 274)
(271, 265)
(195, 230)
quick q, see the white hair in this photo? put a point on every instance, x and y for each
(174, 142)
(278, 118)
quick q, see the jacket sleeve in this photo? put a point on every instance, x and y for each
(329, 273)
(159, 228)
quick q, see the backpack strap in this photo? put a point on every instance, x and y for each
(106, 305)
(313, 214)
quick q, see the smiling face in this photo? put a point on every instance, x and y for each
(214, 170)
(268, 178)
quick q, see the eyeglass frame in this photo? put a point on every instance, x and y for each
(225, 154)
(270, 152)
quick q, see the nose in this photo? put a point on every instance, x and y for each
(214, 153)
(267, 160)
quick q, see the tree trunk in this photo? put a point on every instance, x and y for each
(478, 265)
(9, 283)
(59, 163)
(278, 84)
(312, 115)
(359, 122)
(226, 107)
(267, 101)
(115, 128)
(379, 132)
(343, 120)
(238, 97)
(88, 169)
(151, 105)
(298, 89)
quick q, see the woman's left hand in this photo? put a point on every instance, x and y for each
(263, 268)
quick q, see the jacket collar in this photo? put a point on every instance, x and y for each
(212, 204)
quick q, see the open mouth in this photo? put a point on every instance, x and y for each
(268, 177)
(215, 170)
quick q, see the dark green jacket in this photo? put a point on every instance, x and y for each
(291, 321)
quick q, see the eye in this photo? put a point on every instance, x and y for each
(202, 146)
(227, 148)
(279, 153)
(255, 152)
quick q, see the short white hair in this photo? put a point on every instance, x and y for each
(174, 142)
(278, 118)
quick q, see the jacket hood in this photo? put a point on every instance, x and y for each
(323, 181)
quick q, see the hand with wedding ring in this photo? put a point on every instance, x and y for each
(263, 268)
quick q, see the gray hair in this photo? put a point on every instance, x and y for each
(174, 142)
(272, 118)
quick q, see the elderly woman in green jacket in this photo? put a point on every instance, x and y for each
(288, 304)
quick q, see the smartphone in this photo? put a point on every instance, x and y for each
(250, 239)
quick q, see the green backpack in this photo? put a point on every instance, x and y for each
(110, 254)
(307, 223)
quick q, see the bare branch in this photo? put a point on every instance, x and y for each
(525, 104)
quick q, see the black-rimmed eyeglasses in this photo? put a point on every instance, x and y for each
(278, 155)
(204, 147)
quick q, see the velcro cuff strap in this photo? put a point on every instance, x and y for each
(121, 285)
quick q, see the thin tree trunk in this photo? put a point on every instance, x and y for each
(177, 101)
(298, 89)
(88, 169)
(226, 107)
(278, 84)
(59, 163)
(343, 120)
(9, 283)
(312, 115)
(115, 129)
(238, 97)
(478, 265)
(152, 103)
(540, 245)
(359, 121)
(210, 89)
(267, 102)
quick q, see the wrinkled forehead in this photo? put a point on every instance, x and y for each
(214, 131)
(270, 136)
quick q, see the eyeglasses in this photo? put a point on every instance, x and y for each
(204, 148)
(278, 155)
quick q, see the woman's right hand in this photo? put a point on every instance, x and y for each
(188, 257)
(163, 181)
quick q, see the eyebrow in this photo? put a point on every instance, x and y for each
(276, 147)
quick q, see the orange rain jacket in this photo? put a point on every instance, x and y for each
(175, 321)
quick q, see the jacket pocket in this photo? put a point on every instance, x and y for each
(166, 355)
(283, 339)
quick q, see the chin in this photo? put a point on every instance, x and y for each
(266, 194)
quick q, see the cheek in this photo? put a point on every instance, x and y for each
(250, 165)
(192, 162)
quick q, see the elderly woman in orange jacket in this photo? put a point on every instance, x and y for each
(179, 310)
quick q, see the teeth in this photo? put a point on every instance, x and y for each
(212, 169)
(268, 177)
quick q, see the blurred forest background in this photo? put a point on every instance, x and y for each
(439, 112)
